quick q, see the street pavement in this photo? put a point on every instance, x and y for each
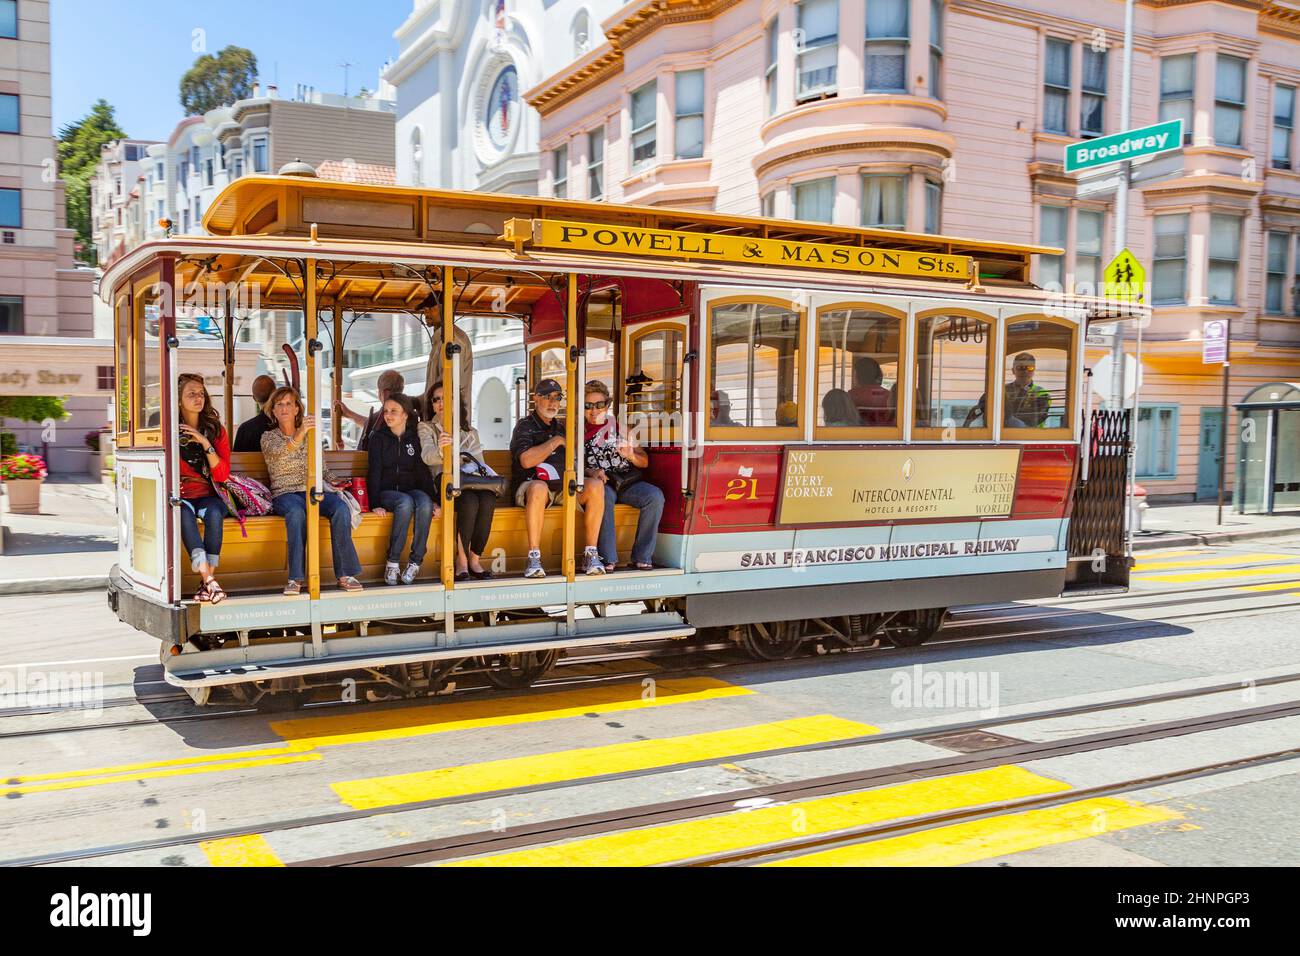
(1204, 643)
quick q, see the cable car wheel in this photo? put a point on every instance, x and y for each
(913, 628)
(518, 671)
(776, 641)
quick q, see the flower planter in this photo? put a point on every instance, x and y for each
(24, 495)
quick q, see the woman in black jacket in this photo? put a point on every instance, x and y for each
(398, 481)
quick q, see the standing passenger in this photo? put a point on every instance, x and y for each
(398, 481)
(284, 449)
(390, 382)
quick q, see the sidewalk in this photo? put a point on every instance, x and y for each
(69, 546)
(1181, 526)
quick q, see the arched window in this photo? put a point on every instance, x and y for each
(417, 157)
(581, 32)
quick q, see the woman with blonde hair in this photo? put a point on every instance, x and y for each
(284, 448)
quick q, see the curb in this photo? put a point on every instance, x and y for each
(85, 582)
(1183, 539)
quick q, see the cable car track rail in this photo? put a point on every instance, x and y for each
(908, 771)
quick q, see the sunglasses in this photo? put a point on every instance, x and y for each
(552, 397)
(1024, 368)
(592, 405)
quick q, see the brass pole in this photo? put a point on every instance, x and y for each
(229, 344)
(312, 322)
(336, 420)
(450, 456)
(571, 405)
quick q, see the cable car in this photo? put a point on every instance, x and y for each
(853, 429)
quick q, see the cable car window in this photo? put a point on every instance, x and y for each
(547, 362)
(600, 361)
(124, 377)
(858, 354)
(952, 359)
(1036, 375)
(148, 360)
(655, 372)
(754, 366)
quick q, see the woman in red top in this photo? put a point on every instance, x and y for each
(205, 459)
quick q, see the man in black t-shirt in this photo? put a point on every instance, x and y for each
(249, 436)
(538, 461)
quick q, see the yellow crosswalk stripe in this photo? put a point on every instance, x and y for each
(304, 735)
(1222, 575)
(742, 829)
(1210, 561)
(251, 850)
(593, 761)
(214, 766)
(1271, 586)
(366, 726)
(995, 836)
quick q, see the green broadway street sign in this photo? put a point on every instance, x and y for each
(1118, 147)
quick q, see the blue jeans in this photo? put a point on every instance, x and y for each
(650, 501)
(293, 508)
(212, 511)
(406, 505)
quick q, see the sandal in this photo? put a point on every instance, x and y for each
(215, 592)
(203, 595)
(349, 583)
(293, 588)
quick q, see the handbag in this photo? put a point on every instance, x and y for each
(620, 480)
(478, 475)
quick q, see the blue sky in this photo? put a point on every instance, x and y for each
(134, 52)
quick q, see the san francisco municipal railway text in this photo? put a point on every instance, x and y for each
(868, 552)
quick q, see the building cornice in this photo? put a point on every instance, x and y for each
(630, 25)
(1280, 20)
(870, 145)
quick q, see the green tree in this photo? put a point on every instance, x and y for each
(79, 145)
(218, 80)
(25, 408)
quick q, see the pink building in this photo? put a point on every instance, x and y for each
(953, 117)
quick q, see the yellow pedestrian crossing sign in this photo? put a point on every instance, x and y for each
(1124, 278)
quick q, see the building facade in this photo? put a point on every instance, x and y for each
(45, 297)
(953, 117)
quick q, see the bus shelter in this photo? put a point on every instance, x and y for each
(1268, 463)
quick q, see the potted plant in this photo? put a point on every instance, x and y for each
(22, 476)
(98, 443)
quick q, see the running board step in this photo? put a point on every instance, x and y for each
(236, 665)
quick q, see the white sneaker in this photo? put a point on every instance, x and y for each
(411, 573)
(595, 564)
(390, 572)
(534, 569)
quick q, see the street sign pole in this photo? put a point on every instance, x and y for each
(1223, 418)
(1121, 243)
(1121, 200)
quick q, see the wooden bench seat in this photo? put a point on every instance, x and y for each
(258, 559)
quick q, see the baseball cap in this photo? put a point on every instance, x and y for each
(546, 386)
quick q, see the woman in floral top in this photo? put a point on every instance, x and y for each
(284, 448)
(611, 457)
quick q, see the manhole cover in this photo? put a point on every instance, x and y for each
(970, 741)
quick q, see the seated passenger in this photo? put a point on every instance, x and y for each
(1024, 404)
(720, 410)
(476, 505)
(538, 458)
(284, 448)
(838, 408)
(248, 437)
(874, 402)
(787, 414)
(390, 382)
(617, 461)
(398, 481)
(205, 462)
